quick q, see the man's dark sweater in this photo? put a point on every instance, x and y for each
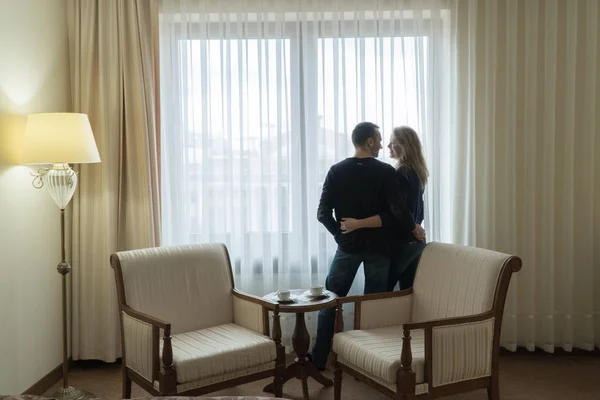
(360, 188)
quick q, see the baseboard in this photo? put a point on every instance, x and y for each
(48, 380)
(557, 352)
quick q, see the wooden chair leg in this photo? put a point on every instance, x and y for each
(167, 379)
(405, 385)
(337, 379)
(126, 384)
(404, 396)
(494, 388)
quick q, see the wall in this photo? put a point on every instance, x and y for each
(34, 77)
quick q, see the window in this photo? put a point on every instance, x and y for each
(256, 111)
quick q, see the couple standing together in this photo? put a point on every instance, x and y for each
(378, 215)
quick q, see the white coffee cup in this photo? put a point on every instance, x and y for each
(284, 294)
(316, 290)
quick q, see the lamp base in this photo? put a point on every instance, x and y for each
(71, 393)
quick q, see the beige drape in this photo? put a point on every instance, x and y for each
(528, 117)
(113, 73)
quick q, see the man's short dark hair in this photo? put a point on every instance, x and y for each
(362, 132)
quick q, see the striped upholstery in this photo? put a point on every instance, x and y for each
(187, 286)
(455, 281)
(420, 388)
(184, 387)
(138, 346)
(462, 352)
(219, 350)
(385, 312)
(248, 314)
(377, 351)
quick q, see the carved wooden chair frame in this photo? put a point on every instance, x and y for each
(163, 370)
(406, 383)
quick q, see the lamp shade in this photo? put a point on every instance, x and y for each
(59, 138)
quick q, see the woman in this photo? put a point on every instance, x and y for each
(412, 174)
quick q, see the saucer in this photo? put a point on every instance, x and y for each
(292, 299)
(323, 295)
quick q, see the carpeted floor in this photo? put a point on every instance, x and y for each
(522, 377)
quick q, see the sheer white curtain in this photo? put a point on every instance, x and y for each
(529, 75)
(259, 99)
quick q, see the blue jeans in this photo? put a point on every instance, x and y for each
(339, 280)
(405, 259)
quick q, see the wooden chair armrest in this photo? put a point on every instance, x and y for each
(257, 300)
(449, 321)
(374, 296)
(145, 318)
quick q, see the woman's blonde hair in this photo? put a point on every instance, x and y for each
(407, 146)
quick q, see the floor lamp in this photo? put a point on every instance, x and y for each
(60, 139)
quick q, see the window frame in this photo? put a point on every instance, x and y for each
(299, 34)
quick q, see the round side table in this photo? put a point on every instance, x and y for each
(302, 367)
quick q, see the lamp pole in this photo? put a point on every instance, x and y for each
(64, 268)
(61, 181)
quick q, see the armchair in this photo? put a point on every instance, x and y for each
(185, 329)
(439, 338)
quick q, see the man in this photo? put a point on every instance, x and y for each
(358, 187)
